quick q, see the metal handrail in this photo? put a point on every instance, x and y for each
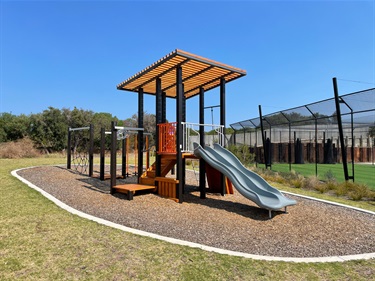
(188, 127)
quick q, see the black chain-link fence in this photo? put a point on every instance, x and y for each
(310, 133)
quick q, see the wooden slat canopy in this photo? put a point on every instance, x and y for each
(196, 72)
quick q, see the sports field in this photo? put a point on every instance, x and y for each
(363, 173)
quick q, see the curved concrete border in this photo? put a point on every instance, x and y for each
(200, 246)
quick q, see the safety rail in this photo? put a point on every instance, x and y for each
(189, 128)
(167, 136)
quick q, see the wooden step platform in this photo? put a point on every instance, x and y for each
(107, 176)
(131, 188)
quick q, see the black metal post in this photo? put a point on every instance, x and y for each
(91, 151)
(102, 153)
(290, 148)
(69, 150)
(113, 156)
(341, 133)
(179, 138)
(183, 120)
(263, 136)
(222, 107)
(164, 108)
(159, 120)
(222, 122)
(123, 158)
(140, 133)
(353, 142)
(316, 147)
(202, 167)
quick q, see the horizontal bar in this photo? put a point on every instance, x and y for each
(78, 129)
(197, 124)
(212, 106)
(129, 128)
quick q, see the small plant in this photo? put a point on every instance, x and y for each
(312, 182)
(242, 152)
(329, 176)
(297, 181)
(330, 185)
(341, 189)
(279, 178)
(357, 191)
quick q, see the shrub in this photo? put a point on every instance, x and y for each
(357, 191)
(23, 148)
(341, 189)
(330, 185)
(312, 182)
(242, 152)
(297, 181)
(329, 176)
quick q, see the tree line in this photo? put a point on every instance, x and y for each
(49, 129)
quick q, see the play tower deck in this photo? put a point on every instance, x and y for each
(179, 75)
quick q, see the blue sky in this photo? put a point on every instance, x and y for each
(74, 53)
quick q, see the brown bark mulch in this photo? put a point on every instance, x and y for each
(232, 222)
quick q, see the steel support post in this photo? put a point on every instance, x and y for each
(202, 167)
(69, 150)
(102, 153)
(113, 156)
(179, 138)
(91, 151)
(123, 158)
(341, 134)
(140, 133)
(263, 136)
(222, 122)
(159, 120)
(164, 108)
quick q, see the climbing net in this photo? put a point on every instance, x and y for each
(80, 140)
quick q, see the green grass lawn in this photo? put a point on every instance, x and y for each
(39, 241)
(363, 173)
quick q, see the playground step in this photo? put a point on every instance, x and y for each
(167, 187)
(166, 165)
(147, 181)
(151, 174)
(130, 189)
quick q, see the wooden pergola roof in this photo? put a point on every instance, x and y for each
(196, 72)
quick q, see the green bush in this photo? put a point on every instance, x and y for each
(242, 152)
(341, 189)
(329, 176)
(357, 191)
(353, 191)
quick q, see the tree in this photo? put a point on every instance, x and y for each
(13, 127)
(49, 129)
(149, 125)
(103, 120)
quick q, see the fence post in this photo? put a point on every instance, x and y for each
(341, 134)
(69, 150)
(91, 151)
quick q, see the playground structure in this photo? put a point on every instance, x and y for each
(179, 75)
(123, 134)
(248, 183)
(81, 151)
